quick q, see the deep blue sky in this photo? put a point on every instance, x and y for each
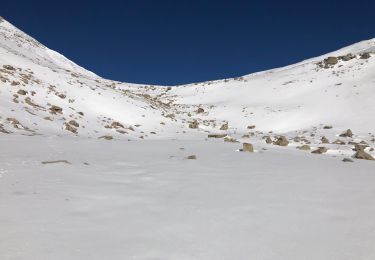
(174, 42)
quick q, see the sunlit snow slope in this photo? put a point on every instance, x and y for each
(42, 92)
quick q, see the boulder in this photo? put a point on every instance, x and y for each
(116, 125)
(304, 147)
(194, 124)
(281, 141)
(347, 133)
(361, 154)
(365, 55)
(21, 92)
(217, 135)
(224, 126)
(320, 150)
(331, 61)
(200, 110)
(55, 109)
(247, 147)
(268, 140)
(324, 140)
(73, 123)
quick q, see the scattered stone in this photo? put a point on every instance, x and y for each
(70, 128)
(62, 96)
(192, 157)
(58, 161)
(268, 140)
(361, 154)
(194, 124)
(324, 140)
(320, 150)
(281, 141)
(365, 55)
(251, 127)
(116, 125)
(230, 139)
(73, 123)
(14, 83)
(330, 61)
(346, 57)
(55, 109)
(106, 137)
(347, 133)
(247, 147)
(200, 110)
(13, 121)
(224, 126)
(339, 142)
(304, 147)
(327, 127)
(217, 135)
(21, 92)
(8, 67)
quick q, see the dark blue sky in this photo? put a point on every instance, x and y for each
(174, 42)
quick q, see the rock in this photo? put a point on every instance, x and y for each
(8, 67)
(339, 142)
(70, 128)
(247, 147)
(62, 96)
(55, 109)
(268, 140)
(251, 127)
(347, 133)
(327, 127)
(230, 139)
(106, 137)
(304, 147)
(13, 121)
(347, 160)
(320, 150)
(80, 113)
(324, 140)
(73, 123)
(200, 110)
(361, 154)
(346, 57)
(365, 55)
(224, 126)
(116, 125)
(217, 135)
(14, 83)
(21, 92)
(58, 161)
(192, 157)
(281, 141)
(194, 124)
(331, 61)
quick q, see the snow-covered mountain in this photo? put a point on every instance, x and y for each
(162, 189)
(44, 93)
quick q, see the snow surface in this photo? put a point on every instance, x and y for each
(144, 200)
(138, 197)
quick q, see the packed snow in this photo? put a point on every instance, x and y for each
(98, 169)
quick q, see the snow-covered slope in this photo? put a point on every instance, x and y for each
(65, 194)
(42, 92)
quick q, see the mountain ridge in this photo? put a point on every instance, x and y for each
(44, 93)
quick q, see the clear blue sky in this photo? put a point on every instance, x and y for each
(175, 42)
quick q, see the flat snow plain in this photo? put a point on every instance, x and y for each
(144, 200)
